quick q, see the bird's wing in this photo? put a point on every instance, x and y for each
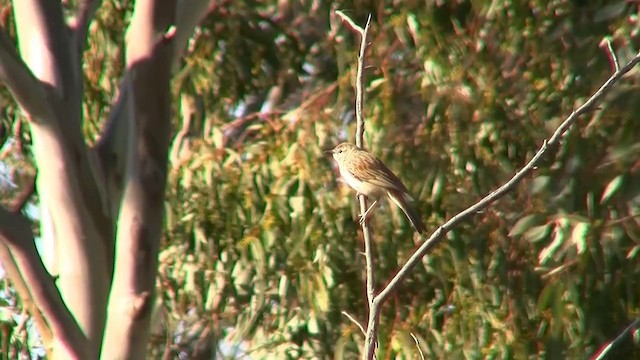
(372, 170)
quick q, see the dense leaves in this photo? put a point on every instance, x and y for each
(262, 251)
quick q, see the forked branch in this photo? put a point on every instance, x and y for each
(25, 88)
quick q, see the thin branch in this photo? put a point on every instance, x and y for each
(353, 320)
(374, 311)
(19, 281)
(605, 350)
(554, 140)
(618, 221)
(360, 95)
(355, 27)
(418, 346)
(611, 53)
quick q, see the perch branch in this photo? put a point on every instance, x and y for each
(374, 313)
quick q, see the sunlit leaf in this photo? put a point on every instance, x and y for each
(579, 236)
(524, 224)
(537, 233)
(551, 249)
(611, 189)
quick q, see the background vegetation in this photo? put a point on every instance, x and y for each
(262, 251)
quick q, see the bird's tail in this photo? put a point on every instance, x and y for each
(403, 201)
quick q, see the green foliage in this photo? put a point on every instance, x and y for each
(263, 242)
(262, 250)
(18, 336)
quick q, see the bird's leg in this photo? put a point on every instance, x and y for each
(363, 217)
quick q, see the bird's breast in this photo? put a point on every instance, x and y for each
(362, 187)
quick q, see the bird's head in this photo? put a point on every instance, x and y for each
(341, 151)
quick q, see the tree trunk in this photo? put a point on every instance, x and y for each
(102, 207)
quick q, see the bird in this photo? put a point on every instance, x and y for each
(369, 176)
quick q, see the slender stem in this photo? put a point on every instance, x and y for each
(605, 350)
(374, 310)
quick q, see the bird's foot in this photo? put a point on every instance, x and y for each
(365, 216)
(362, 219)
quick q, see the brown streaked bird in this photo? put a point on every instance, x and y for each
(369, 176)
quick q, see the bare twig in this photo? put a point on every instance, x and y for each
(605, 350)
(418, 346)
(618, 221)
(374, 312)
(554, 140)
(611, 53)
(355, 27)
(353, 320)
(360, 95)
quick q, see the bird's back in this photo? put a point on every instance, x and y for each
(368, 168)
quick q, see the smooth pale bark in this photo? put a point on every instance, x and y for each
(150, 59)
(20, 260)
(80, 265)
(104, 207)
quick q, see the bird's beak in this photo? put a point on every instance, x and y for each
(328, 152)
